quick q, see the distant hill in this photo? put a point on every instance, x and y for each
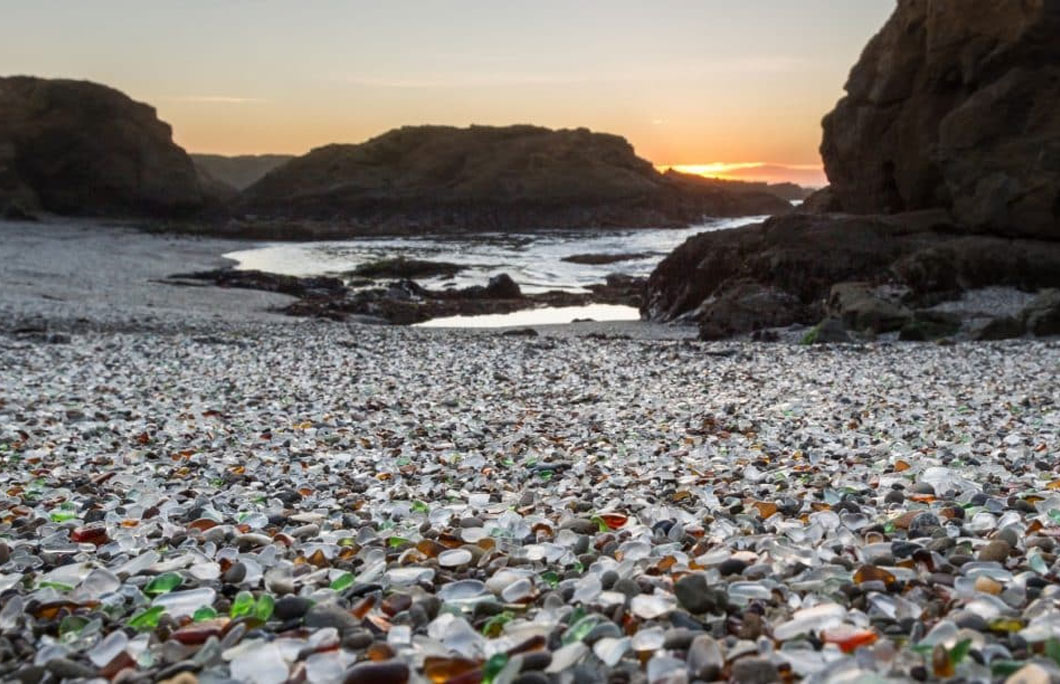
(786, 191)
(489, 178)
(79, 148)
(239, 172)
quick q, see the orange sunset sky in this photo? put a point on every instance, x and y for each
(694, 83)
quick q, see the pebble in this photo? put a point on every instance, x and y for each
(694, 594)
(755, 671)
(301, 514)
(235, 574)
(996, 550)
(330, 615)
(292, 607)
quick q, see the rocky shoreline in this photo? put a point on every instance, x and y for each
(405, 302)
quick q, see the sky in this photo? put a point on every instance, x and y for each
(691, 83)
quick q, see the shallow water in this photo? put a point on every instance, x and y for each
(532, 317)
(534, 260)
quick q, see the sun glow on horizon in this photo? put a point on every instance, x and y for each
(803, 174)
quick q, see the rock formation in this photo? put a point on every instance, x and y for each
(944, 162)
(957, 108)
(485, 178)
(78, 148)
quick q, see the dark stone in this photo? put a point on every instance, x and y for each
(331, 615)
(694, 594)
(292, 607)
(732, 566)
(753, 670)
(386, 672)
(235, 573)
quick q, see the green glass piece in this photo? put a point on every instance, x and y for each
(55, 585)
(264, 607)
(1037, 563)
(243, 604)
(395, 542)
(600, 524)
(495, 625)
(1005, 668)
(62, 516)
(551, 578)
(163, 584)
(71, 626)
(1054, 514)
(960, 651)
(420, 506)
(343, 581)
(203, 614)
(493, 667)
(580, 629)
(148, 619)
(1052, 650)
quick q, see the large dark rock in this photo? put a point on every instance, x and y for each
(74, 147)
(436, 178)
(955, 107)
(944, 163)
(803, 255)
(721, 279)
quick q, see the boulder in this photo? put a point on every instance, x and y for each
(955, 109)
(74, 147)
(928, 325)
(863, 307)
(1042, 316)
(747, 307)
(828, 331)
(1000, 328)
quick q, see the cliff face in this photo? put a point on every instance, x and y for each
(517, 177)
(74, 147)
(957, 107)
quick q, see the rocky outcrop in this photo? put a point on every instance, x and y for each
(78, 148)
(241, 171)
(944, 162)
(787, 270)
(405, 302)
(434, 178)
(957, 108)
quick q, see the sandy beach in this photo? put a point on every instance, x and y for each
(86, 275)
